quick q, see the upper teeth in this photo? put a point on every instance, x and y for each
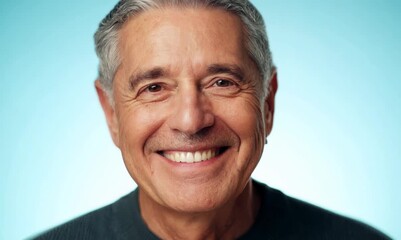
(190, 157)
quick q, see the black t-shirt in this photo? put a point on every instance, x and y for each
(280, 217)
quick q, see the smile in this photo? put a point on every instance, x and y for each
(192, 157)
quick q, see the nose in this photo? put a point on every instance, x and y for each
(191, 111)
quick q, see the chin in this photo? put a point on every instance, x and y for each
(198, 197)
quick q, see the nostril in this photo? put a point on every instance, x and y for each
(190, 111)
(191, 122)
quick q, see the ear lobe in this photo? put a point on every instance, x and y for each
(269, 102)
(109, 112)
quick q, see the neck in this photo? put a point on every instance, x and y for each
(227, 222)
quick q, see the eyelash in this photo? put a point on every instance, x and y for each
(229, 82)
(159, 87)
(217, 82)
(147, 88)
(157, 94)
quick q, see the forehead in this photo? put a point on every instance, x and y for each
(182, 38)
(186, 19)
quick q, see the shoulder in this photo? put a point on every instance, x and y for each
(89, 226)
(293, 218)
(315, 221)
(98, 224)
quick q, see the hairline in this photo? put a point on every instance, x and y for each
(107, 84)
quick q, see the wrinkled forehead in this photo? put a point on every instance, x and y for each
(181, 37)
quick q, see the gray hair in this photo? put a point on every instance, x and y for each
(106, 37)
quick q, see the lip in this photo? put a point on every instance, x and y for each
(191, 148)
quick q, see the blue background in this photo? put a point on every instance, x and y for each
(336, 140)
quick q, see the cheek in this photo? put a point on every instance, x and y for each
(245, 117)
(137, 124)
(252, 129)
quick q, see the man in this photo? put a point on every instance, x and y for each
(187, 88)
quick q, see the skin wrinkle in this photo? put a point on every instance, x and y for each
(199, 202)
(203, 138)
(250, 34)
(135, 80)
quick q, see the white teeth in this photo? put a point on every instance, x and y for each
(191, 157)
(198, 157)
(204, 155)
(209, 154)
(182, 156)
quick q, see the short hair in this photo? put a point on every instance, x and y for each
(106, 36)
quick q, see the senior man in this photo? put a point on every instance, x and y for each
(187, 88)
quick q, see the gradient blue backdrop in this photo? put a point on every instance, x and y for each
(336, 140)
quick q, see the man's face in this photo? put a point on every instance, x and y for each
(189, 114)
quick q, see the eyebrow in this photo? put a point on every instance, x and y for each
(230, 69)
(158, 72)
(153, 73)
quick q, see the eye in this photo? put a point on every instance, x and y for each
(154, 91)
(223, 83)
(154, 88)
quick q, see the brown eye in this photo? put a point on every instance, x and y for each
(223, 83)
(154, 88)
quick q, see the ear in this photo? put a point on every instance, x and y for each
(109, 112)
(269, 102)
